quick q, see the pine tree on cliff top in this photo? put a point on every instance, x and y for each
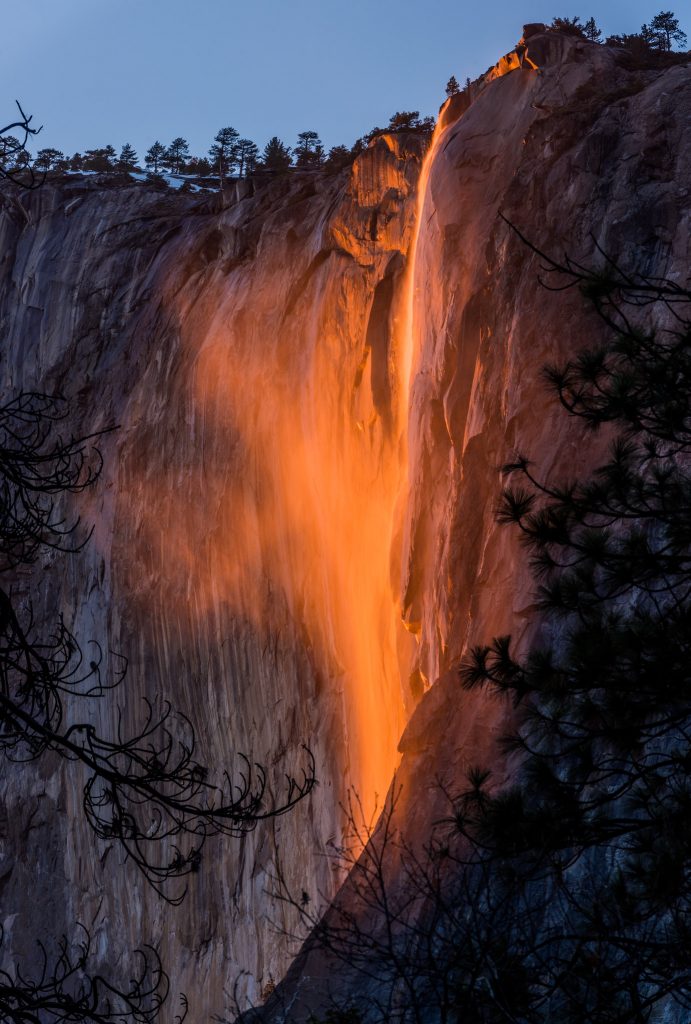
(665, 27)
(50, 159)
(153, 157)
(404, 120)
(176, 155)
(246, 157)
(224, 152)
(309, 151)
(127, 161)
(338, 158)
(591, 31)
(570, 26)
(102, 159)
(452, 86)
(276, 156)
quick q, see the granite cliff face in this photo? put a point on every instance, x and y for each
(244, 521)
(314, 386)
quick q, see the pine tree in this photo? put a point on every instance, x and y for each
(128, 158)
(10, 148)
(176, 155)
(309, 151)
(50, 159)
(153, 158)
(276, 157)
(665, 28)
(338, 158)
(452, 87)
(200, 166)
(591, 31)
(570, 26)
(404, 120)
(99, 159)
(246, 157)
(648, 37)
(224, 152)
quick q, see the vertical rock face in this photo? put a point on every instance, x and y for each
(564, 156)
(244, 522)
(280, 493)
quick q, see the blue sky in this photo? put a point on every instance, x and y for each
(112, 71)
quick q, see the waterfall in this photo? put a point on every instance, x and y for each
(307, 503)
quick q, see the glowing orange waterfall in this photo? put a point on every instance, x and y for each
(409, 327)
(312, 522)
(296, 523)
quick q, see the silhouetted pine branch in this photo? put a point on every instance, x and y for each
(604, 711)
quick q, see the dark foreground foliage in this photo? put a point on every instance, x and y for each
(599, 819)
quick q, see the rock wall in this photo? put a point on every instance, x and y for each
(315, 387)
(244, 521)
(566, 156)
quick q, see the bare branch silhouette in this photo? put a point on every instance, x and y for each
(24, 175)
(37, 466)
(61, 989)
(143, 790)
(149, 792)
